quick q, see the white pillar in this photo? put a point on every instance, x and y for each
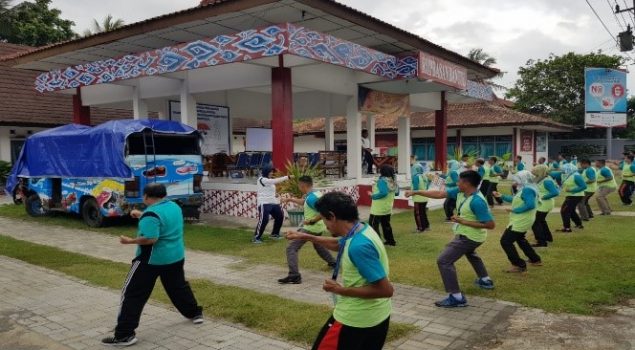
(354, 138)
(404, 144)
(370, 124)
(329, 133)
(188, 106)
(5, 144)
(139, 105)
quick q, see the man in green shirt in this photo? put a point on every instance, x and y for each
(362, 301)
(606, 185)
(160, 254)
(470, 228)
(313, 224)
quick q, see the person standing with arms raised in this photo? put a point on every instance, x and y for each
(268, 204)
(160, 254)
(361, 316)
(471, 224)
(383, 199)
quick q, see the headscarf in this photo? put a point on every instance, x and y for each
(524, 178)
(540, 172)
(426, 168)
(454, 165)
(568, 169)
(266, 170)
(417, 169)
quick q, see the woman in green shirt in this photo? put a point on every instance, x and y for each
(521, 218)
(383, 196)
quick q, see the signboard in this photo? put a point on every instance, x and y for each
(213, 123)
(441, 71)
(526, 141)
(385, 103)
(605, 98)
(541, 142)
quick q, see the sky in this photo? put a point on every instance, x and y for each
(512, 31)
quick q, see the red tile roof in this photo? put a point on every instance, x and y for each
(22, 105)
(473, 115)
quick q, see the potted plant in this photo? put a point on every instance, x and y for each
(291, 187)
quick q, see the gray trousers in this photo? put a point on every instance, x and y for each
(603, 202)
(456, 249)
(293, 250)
(584, 208)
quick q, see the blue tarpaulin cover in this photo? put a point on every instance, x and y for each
(80, 151)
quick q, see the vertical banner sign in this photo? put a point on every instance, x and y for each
(526, 141)
(605, 98)
(212, 123)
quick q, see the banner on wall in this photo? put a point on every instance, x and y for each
(605, 98)
(378, 102)
(541, 142)
(213, 123)
(526, 141)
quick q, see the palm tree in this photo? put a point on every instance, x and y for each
(482, 57)
(107, 24)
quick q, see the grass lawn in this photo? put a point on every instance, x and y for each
(287, 319)
(583, 271)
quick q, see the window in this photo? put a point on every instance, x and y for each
(164, 144)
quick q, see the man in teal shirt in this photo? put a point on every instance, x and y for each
(362, 301)
(160, 254)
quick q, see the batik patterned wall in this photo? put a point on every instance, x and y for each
(247, 45)
(478, 90)
(244, 46)
(327, 48)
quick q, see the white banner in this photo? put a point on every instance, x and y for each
(605, 120)
(213, 123)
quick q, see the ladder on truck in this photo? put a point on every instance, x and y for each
(148, 145)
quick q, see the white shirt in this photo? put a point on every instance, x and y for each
(365, 143)
(267, 190)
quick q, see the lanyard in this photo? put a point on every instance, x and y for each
(462, 203)
(338, 261)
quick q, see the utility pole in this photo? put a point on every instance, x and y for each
(626, 38)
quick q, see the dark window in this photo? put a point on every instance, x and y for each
(164, 144)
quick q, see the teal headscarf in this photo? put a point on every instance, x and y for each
(568, 170)
(417, 169)
(453, 165)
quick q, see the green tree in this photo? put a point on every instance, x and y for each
(554, 87)
(5, 5)
(106, 25)
(35, 24)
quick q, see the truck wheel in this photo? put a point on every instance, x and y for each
(91, 214)
(34, 207)
(18, 196)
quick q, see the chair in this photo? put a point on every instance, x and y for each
(314, 159)
(217, 164)
(332, 163)
(242, 163)
(255, 163)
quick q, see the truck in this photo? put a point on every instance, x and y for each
(99, 172)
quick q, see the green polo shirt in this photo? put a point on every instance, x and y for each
(162, 221)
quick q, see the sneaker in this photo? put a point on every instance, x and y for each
(537, 263)
(276, 236)
(257, 241)
(113, 341)
(564, 230)
(198, 319)
(483, 284)
(290, 280)
(580, 227)
(516, 269)
(451, 302)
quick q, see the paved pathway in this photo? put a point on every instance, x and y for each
(440, 328)
(69, 314)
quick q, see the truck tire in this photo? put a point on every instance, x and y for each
(91, 214)
(33, 206)
(18, 195)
